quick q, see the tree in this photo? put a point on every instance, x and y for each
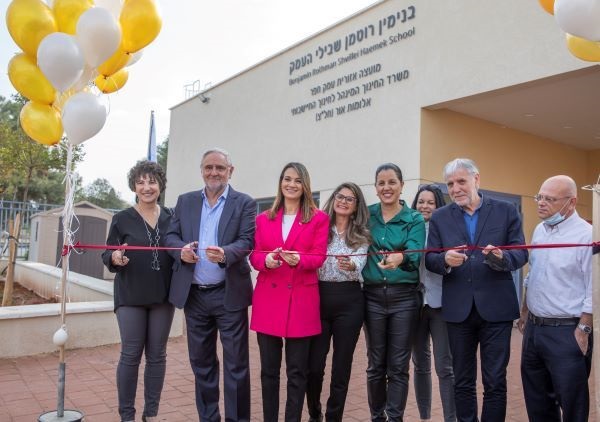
(24, 162)
(101, 193)
(162, 151)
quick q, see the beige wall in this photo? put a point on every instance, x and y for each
(510, 161)
(457, 49)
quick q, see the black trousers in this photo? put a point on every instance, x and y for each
(342, 311)
(391, 318)
(493, 339)
(296, 362)
(555, 374)
(205, 315)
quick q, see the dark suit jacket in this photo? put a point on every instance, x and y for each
(491, 289)
(235, 236)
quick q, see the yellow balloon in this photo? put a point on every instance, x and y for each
(29, 80)
(547, 5)
(116, 62)
(62, 97)
(140, 24)
(583, 49)
(112, 83)
(42, 123)
(67, 13)
(28, 22)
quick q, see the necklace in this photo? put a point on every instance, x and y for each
(153, 244)
(339, 233)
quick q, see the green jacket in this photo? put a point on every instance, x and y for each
(406, 230)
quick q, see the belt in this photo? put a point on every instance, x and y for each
(205, 287)
(409, 286)
(552, 322)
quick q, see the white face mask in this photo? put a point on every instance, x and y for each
(557, 217)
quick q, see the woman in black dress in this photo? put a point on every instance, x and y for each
(141, 290)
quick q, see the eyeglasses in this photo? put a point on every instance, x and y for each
(343, 198)
(548, 199)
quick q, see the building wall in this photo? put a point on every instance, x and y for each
(278, 110)
(509, 161)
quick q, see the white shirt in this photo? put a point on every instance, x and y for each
(330, 271)
(286, 226)
(559, 283)
(431, 281)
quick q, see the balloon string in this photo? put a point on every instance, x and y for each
(68, 248)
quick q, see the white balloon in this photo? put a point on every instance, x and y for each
(82, 117)
(87, 76)
(98, 34)
(60, 59)
(113, 6)
(579, 17)
(135, 57)
(60, 337)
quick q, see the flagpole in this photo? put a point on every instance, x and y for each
(152, 139)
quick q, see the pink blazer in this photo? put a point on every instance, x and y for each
(286, 299)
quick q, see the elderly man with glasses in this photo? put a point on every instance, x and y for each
(556, 317)
(479, 301)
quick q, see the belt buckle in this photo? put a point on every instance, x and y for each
(535, 320)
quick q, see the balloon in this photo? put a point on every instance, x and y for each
(60, 59)
(113, 6)
(29, 80)
(140, 23)
(547, 5)
(41, 123)
(116, 62)
(579, 17)
(86, 78)
(98, 35)
(67, 12)
(28, 22)
(583, 49)
(135, 57)
(83, 117)
(61, 336)
(112, 83)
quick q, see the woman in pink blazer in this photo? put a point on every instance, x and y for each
(290, 245)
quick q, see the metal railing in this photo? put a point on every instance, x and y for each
(8, 211)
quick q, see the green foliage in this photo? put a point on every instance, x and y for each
(101, 193)
(162, 151)
(29, 170)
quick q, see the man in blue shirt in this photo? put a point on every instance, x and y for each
(479, 301)
(214, 227)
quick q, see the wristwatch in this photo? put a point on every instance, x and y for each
(585, 328)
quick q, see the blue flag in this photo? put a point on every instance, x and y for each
(152, 139)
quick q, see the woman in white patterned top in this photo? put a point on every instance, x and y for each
(342, 307)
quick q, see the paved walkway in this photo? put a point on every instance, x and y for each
(28, 386)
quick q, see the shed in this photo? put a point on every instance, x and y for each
(91, 225)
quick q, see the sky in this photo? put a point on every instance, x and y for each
(205, 41)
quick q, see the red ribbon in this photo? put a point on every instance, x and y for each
(68, 248)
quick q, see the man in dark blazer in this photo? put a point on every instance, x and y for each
(211, 282)
(479, 301)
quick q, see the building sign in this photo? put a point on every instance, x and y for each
(348, 93)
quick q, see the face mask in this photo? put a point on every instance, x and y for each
(557, 217)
